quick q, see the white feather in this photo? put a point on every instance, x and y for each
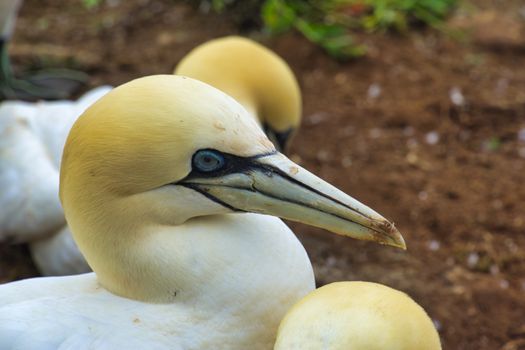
(32, 136)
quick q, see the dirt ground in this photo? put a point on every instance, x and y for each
(428, 129)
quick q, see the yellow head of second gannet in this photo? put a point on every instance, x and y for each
(156, 152)
(253, 75)
(357, 316)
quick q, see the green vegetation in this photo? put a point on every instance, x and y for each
(315, 20)
(329, 23)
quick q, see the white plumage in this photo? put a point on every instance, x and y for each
(259, 280)
(32, 136)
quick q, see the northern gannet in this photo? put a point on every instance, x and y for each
(158, 179)
(254, 76)
(32, 136)
(357, 316)
(245, 70)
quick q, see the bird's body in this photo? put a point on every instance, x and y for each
(238, 307)
(151, 177)
(32, 136)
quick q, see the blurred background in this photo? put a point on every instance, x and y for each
(416, 108)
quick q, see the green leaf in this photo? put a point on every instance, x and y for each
(277, 16)
(332, 38)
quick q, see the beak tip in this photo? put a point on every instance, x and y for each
(395, 237)
(399, 241)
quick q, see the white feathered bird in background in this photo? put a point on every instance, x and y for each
(32, 136)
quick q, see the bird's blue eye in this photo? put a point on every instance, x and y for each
(208, 160)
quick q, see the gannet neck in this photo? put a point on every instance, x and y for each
(234, 267)
(198, 261)
(252, 74)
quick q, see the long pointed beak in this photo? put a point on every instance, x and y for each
(274, 185)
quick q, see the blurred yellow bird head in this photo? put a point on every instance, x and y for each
(255, 76)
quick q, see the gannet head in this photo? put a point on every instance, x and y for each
(161, 150)
(255, 76)
(150, 140)
(358, 316)
(143, 139)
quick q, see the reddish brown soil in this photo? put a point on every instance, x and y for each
(459, 201)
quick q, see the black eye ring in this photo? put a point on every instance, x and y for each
(208, 160)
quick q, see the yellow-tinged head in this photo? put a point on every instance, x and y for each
(357, 316)
(143, 134)
(255, 76)
(158, 151)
